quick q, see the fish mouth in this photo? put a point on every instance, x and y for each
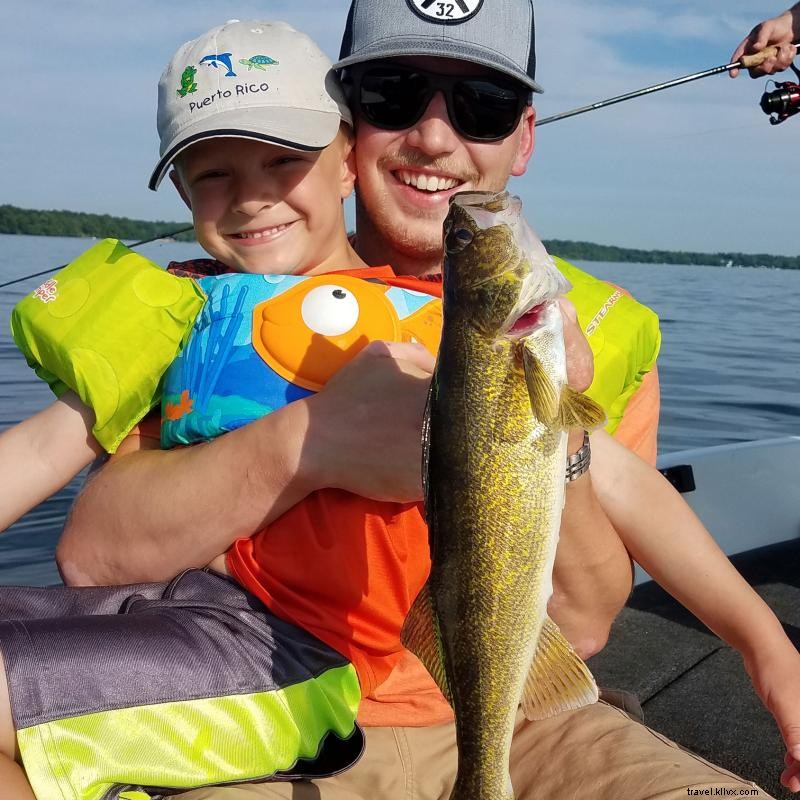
(527, 322)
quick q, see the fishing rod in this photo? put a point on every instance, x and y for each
(135, 244)
(745, 62)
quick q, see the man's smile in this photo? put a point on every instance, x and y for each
(426, 182)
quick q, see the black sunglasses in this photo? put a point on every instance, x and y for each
(394, 97)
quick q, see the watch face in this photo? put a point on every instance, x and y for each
(445, 12)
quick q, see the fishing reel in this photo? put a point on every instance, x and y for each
(783, 101)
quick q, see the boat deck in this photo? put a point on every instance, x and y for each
(692, 686)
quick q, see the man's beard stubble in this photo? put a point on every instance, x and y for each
(425, 247)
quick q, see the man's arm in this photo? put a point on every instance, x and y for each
(592, 575)
(593, 572)
(148, 513)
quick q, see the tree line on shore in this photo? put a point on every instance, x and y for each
(36, 222)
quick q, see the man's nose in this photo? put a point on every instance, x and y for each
(433, 133)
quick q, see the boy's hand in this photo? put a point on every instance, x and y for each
(776, 679)
(365, 426)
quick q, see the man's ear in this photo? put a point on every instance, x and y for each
(525, 146)
(348, 168)
(176, 182)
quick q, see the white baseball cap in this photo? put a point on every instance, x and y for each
(252, 80)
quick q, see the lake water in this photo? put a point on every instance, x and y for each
(729, 364)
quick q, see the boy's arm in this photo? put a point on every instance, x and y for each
(43, 453)
(664, 535)
(147, 514)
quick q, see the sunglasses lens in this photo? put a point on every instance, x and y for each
(485, 109)
(392, 99)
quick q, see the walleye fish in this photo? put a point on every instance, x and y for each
(493, 472)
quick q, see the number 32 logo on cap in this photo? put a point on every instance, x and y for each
(445, 10)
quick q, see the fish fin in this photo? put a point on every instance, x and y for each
(543, 394)
(577, 410)
(422, 636)
(558, 680)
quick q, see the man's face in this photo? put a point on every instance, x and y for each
(406, 177)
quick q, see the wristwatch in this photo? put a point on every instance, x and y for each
(578, 463)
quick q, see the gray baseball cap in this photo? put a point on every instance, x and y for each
(251, 80)
(494, 33)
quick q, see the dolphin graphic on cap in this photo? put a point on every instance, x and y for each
(215, 60)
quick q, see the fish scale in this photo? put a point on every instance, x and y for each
(495, 451)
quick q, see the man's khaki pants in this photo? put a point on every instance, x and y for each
(598, 752)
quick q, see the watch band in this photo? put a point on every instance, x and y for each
(578, 463)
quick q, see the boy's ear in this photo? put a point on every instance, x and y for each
(348, 168)
(176, 181)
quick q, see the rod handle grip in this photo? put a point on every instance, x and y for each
(756, 59)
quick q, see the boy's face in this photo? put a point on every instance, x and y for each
(262, 208)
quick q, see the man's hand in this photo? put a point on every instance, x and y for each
(780, 32)
(580, 360)
(365, 426)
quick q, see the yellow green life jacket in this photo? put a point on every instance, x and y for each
(624, 336)
(107, 326)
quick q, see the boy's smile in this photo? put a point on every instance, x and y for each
(262, 208)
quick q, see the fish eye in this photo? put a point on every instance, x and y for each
(330, 310)
(456, 240)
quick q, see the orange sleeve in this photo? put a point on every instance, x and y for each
(638, 428)
(145, 436)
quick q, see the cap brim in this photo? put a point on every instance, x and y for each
(442, 48)
(293, 128)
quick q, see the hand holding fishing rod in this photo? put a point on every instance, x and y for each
(777, 33)
(745, 62)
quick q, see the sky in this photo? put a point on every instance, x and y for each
(696, 167)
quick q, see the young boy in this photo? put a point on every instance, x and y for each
(197, 681)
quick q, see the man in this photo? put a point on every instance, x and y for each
(361, 431)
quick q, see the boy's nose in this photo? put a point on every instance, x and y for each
(253, 192)
(433, 133)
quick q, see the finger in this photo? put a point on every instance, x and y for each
(736, 55)
(767, 68)
(790, 779)
(786, 54)
(405, 351)
(580, 359)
